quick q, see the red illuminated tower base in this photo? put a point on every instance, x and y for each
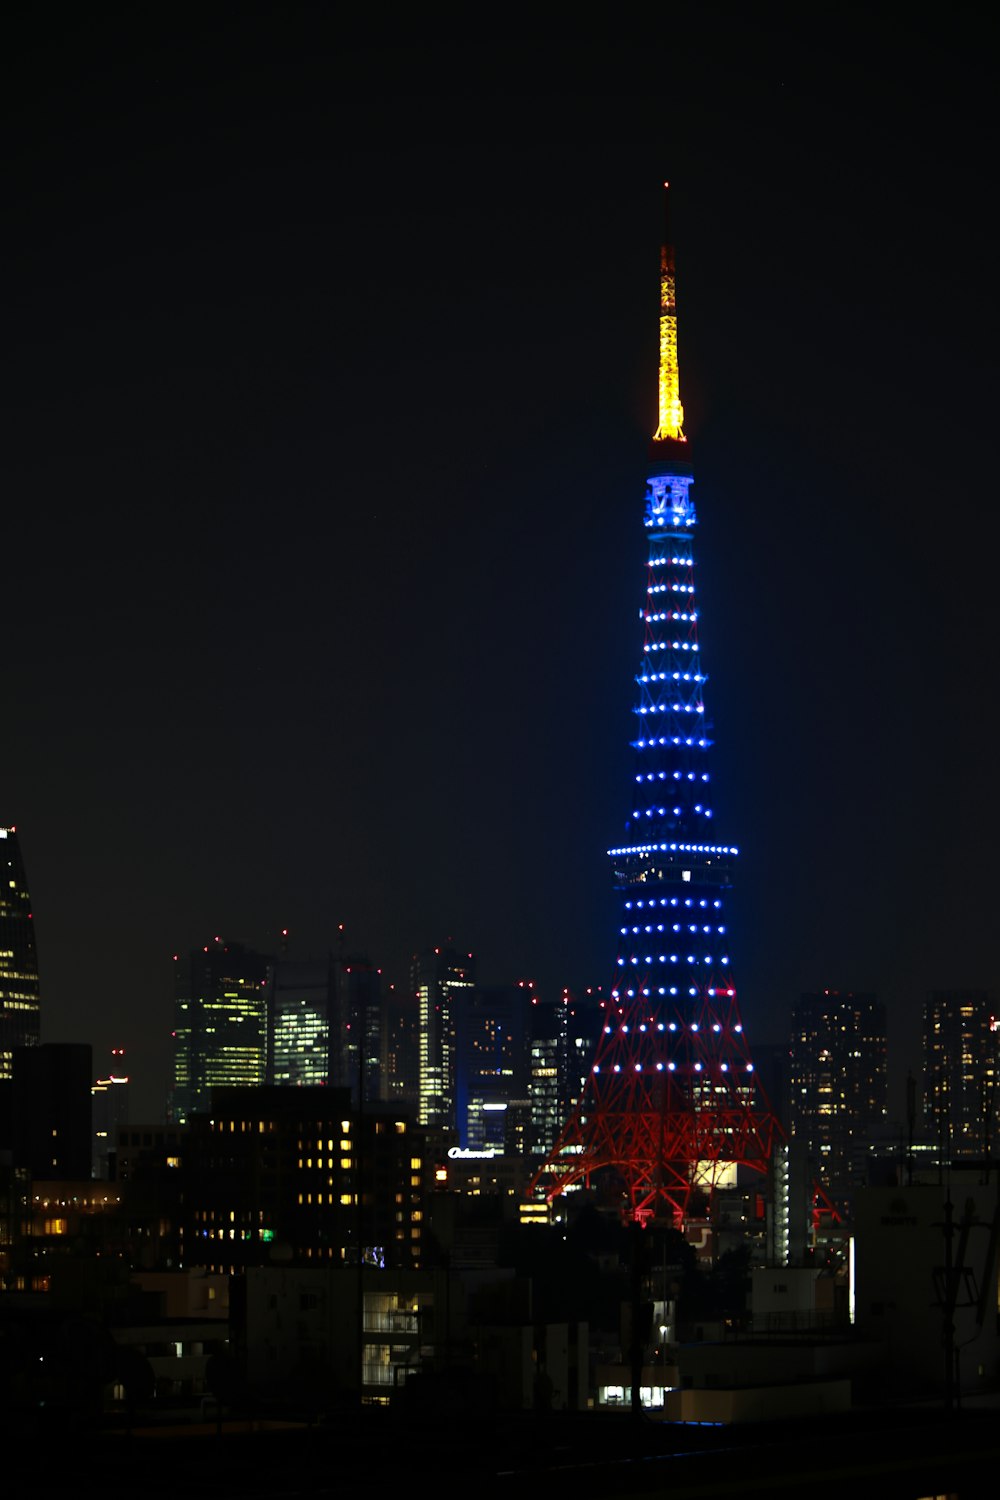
(646, 1141)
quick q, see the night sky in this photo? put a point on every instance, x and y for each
(332, 371)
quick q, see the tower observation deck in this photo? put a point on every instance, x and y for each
(671, 1110)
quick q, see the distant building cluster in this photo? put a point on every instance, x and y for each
(489, 1066)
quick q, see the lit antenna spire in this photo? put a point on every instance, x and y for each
(671, 412)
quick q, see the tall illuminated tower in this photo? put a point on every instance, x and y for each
(672, 1108)
(20, 1013)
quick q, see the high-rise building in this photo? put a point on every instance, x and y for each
(327, 1022)
(672, 1109)
(838, 1087)
(220, 1025)
(358, 1036)
(961, 1055)
(491, 1061)
(20, 1011)
(300, 1005)
(547, 1050)
(400, 1080)
(441, 978)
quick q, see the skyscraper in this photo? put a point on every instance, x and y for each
(440, 978)
(672, 1108)
(20, 1012)
(358, 1039)
(300, 1005)
(326, 1021)
(491, 1068)
(961, 1047)
(220, 1025)
(837, 1087)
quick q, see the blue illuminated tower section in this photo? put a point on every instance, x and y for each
(672, 1110)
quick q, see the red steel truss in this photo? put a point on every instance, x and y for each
(667, 1112)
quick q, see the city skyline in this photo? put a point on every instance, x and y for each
(335, 375)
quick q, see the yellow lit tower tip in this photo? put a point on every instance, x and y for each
(671, 412)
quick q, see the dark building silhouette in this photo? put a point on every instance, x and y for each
(51, 1111)
(20, 1004)
(358, 1034)
(109, 1114)
(400, 1082)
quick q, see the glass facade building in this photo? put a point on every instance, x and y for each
(220, 1025)
(441, 979)
(20, 1011)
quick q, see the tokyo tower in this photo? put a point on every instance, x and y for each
(671, 1109)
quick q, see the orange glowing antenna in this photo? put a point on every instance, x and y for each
(671, 412)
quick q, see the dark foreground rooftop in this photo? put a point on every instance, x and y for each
(894, 1454)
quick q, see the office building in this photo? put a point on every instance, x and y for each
(20, 1007)
(300, 1175)
(961, 1047)
(441, 979)
(300, 1006)
(837, 1087)
(220, 1024)
(491, 1061)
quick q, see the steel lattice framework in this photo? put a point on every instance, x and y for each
(672, 1107)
